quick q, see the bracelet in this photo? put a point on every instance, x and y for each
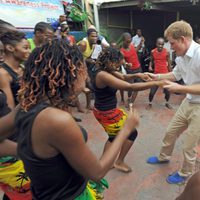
(158, 77)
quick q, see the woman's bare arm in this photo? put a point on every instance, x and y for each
(7, 124)
(104, 79)
(64, 136)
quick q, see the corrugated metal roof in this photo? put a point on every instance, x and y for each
(99, 2)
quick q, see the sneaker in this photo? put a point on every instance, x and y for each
(155, 160)
(175, 178)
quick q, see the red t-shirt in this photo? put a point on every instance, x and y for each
(160, 61)
(131, 56)
(71, 39)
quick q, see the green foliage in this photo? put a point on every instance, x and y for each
(77, 14)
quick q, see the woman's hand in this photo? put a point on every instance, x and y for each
(144, 77)
(128, 65)
(172, 86)
(152, 76)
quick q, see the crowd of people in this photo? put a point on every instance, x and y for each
(42, 77)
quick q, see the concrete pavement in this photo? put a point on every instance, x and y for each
(145, 182)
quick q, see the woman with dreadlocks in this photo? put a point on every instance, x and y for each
(106, 82)
(51, 144)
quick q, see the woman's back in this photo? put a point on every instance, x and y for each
(51, 178)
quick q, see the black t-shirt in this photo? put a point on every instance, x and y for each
(53, 178)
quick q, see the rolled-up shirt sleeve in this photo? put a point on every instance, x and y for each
(176, 72)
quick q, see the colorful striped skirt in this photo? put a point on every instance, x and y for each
(13, 180)
(111, 120)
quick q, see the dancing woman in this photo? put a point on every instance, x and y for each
(51, 144)
(106, 82)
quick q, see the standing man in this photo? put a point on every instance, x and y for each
(55, 25)
(132, 63)
(138, 42)
(180, 35)
(86, 46)
(159, 64)
(64, 32)
(43, 33)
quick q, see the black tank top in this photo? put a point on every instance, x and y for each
(105, 98)
(52, 178)
(14, 85)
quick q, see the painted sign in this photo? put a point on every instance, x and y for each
(24, 14)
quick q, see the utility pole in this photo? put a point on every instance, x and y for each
(96, 15)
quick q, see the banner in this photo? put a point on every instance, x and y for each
(24, 14)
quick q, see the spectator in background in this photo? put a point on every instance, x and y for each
(101, 38)
(86, 47)
(43, 32)
(159, 64)
(55, 25)
(114, 45)
(17, 51)
(171, 52)
(138, 41)
(197, 39)
(64, 32)
(132, 64)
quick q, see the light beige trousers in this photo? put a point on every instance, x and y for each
(186, 117)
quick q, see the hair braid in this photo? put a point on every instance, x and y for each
(107, 56)
(52, 71)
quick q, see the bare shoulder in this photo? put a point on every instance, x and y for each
(103, 74)
(3, 72)
(57, 128)
(82, 43)
(53, 118)
(5, 77)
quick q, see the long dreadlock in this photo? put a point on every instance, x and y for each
(52, 71)
(108, 55)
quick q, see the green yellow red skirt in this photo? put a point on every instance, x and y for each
(13, 180)
(93, 190)
(111, 120)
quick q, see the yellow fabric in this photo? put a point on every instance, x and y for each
(88, 52)
(113, 129)
(14, 176)
(32, 44)
(112, 120)
(88, 194)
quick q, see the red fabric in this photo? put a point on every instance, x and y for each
(108, 117)
(16, 195)
(71, 39)
(131, 56)
(160, 61)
